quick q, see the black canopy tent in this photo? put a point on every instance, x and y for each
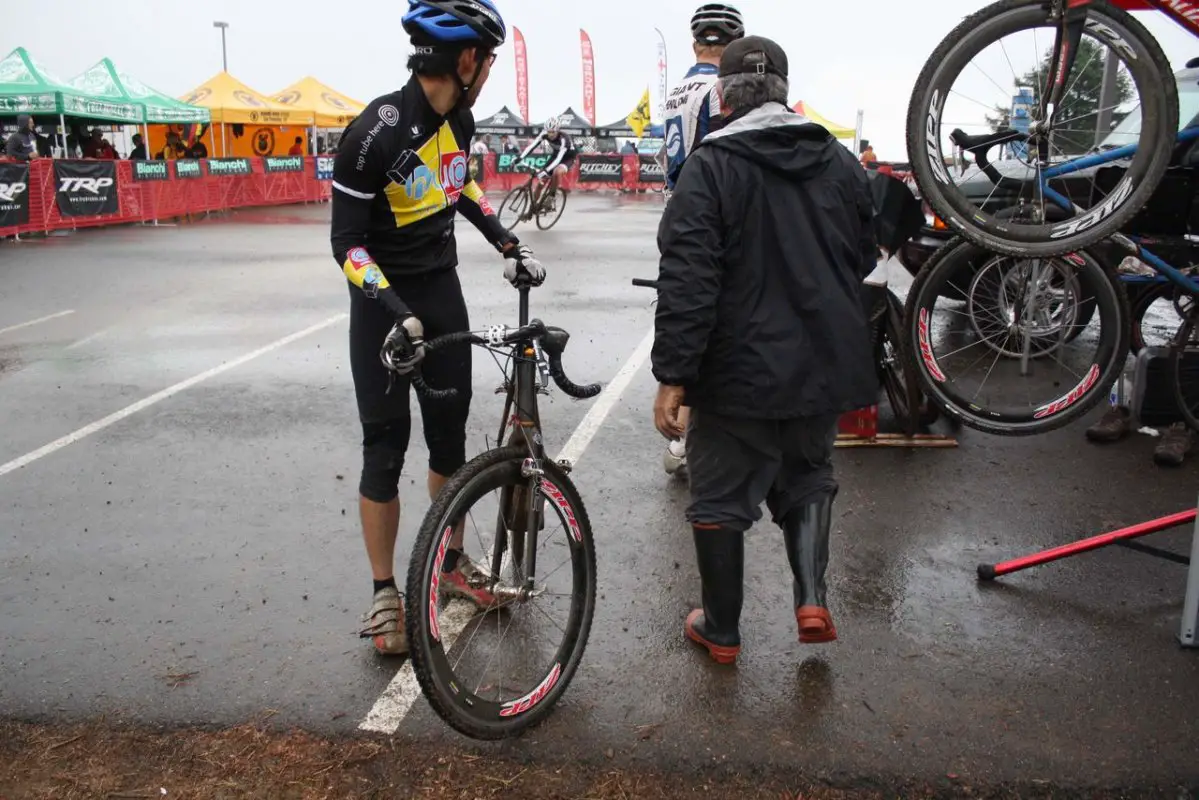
(504, 122)
(575, 124)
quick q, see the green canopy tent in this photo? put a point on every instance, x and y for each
(104, 80)
(26, 87)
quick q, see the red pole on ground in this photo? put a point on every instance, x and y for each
(989, 572)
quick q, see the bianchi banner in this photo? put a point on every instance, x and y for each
(507, 162)
(86, 188)
(324, 168)
(229, 166)
(595, 168)
(151, 170)
(188, 168)
(283, 163)
(650, 171)
(14, 195)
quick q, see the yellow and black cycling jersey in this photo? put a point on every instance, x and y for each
(401, 172)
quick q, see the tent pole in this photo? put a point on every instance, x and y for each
(146, 142)
(857, 132)
(62, 120)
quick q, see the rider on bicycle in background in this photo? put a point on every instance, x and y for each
(692, 112)
(400, 176)
(563, 148)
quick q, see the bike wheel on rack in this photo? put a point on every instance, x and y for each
(547, 219)
(1184, 367)
(1034, 360)
(940, 103)
(1157, 311)
(482, 693)
(911, 408)
(516, 205)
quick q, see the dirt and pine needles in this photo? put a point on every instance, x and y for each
(97, 760)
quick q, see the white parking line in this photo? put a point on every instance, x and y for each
(37, 321)
(157, 397)
(87, 339)
(403, 690)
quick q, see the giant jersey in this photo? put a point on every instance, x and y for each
(692, 112)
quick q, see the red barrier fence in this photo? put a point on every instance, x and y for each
(174, 197)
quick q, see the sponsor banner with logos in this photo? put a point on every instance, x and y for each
(86, 188)
(600, 168)
(29, 104)
(14, 195)
(151, 170)
(324, 168)
(283, 163)
(507, 162)
(188, 168)
(649, 170)
(101, 109)
(229, 166)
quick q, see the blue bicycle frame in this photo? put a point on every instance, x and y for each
(1130, 243)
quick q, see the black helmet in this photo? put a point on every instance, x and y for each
(455, 22)
(717, 24)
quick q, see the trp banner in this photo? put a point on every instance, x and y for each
(14, 195)
(86, 188)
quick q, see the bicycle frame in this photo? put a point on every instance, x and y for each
(522, 391)
(1184, 12)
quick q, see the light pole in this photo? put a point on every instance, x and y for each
(224, 57)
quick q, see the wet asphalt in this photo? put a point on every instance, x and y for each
(213, 535)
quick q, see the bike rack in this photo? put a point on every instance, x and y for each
(1188, 634)
(860, 429)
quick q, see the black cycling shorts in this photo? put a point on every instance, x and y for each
(436, 300)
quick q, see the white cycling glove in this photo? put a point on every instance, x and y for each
(522, 263)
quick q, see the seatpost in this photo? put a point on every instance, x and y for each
(524, 305)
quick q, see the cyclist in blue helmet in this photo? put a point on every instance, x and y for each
(400, 177)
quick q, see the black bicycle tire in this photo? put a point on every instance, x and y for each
(1141, 304)
(928, 281)
(967, 222)
(524, 187)
(561, 208)
(902, 389)
(1176, 354)
(434, 685)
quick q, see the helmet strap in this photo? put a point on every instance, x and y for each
(464, 87)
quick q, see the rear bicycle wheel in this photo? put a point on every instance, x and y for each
(471, 677)
(898, 375)
(971, 203)
(547, 219)
(1035, 359)
(1184, 367)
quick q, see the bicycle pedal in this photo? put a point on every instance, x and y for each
(565, 465)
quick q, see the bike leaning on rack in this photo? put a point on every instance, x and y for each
(529, 522)
(523, 205)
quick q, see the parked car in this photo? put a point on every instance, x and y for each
(1174, 208)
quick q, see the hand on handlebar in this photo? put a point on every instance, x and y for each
(404, 346)
(522, 264)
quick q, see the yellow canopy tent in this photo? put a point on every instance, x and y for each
(838, 131)
(330, 109)
(244, 122)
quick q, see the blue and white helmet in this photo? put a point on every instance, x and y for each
(455, 22)
(552, 125)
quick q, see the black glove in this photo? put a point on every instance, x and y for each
(404, 346)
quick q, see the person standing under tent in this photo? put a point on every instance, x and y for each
(692, 112)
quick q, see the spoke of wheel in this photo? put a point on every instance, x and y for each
(546, 577)
(988, 77)
(1015, 78)
(503, 635)
(990, 108)
(970, 316)
(987, 376)
(537, 606)
(999, 335)
(1096, 112)
(1081, 72)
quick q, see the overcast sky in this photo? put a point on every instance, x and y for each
(843, 56)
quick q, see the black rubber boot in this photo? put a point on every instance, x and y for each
(806, 534)
(720, 553)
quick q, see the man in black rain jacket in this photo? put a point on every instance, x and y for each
(760, 329)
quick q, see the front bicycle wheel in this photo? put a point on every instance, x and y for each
(1011, 47)
(514, 207)
(556, 205)
(492, 673)
(1037, 343)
